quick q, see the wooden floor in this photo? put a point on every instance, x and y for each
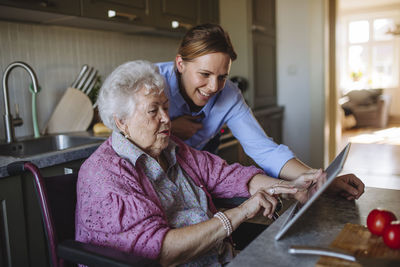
(374, 156)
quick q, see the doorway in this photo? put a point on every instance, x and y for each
(368, 59)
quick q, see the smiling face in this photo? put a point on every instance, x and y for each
(203, 77)
(149, 125)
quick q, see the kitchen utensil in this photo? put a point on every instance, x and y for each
(338, 253)
(91, 85)
(89, 80)
(73, 113)
(84, 79)
(80, 75)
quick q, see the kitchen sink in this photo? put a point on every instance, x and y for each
(46, 144)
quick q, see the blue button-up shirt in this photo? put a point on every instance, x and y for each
(227, 107)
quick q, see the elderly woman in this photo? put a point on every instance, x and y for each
(146, 192)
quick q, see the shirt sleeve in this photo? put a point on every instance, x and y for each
(113, 210)
(270, 156)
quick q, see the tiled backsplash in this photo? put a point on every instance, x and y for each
(57, 54)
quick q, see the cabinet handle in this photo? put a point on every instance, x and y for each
(176, 24)
(44, 3)
(258, 28)
(114, 14)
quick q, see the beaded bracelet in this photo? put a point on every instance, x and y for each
(225, 222)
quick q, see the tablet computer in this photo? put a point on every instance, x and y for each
(298, 208)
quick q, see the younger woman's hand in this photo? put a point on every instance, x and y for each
(308, 183)
(349, 186)
(186, 126)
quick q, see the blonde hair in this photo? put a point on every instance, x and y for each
(205, 39)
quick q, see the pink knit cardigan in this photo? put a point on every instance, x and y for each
(118, 207)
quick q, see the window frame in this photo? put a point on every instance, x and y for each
(344, 43)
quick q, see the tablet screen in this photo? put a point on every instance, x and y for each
(299, 208)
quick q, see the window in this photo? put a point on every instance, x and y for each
(370, 56)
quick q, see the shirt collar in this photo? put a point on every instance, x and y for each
(175, 93)
(170, 152)
(126, 149)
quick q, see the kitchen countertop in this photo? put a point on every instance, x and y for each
(53, 158)
(317, 227)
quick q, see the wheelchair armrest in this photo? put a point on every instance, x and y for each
(229, 203)
(93, 255)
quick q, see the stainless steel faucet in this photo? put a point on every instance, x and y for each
(9, 122)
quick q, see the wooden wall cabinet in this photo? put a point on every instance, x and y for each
(134, 16)
(253, 33)
(264, 53)
(154, 13)
(188, 13)
(270, 120)
(265, 108)
(138, 12)
(70, 7)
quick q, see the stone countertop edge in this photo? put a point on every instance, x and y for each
(318, 226)
(51, 158)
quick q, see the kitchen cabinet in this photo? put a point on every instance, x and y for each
(22, 239)
(132, 16)
(71, 7)
(270, 119)
(13, 236)
(139, 12)
(265, 108)
(154, 13)
(253, 34)
(188, 13)
(264, 53)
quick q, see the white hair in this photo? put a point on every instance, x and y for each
(116, 96)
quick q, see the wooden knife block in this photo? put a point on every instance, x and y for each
(73, 113)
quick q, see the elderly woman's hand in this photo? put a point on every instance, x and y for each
(264, 200)
(186, 126)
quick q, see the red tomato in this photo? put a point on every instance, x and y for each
(378, 219)
(391, 235)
